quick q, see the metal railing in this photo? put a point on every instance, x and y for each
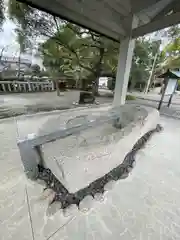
(17, 86)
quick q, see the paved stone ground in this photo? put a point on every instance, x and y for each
(19, 104)
(172, 111)
(144, 206)
(156, 97)
(22, 104)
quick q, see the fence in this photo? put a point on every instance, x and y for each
(16, 86)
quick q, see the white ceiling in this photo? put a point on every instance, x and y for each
(113, 17)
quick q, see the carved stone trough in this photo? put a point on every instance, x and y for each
(86, 146)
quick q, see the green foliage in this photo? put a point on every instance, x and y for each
(69, 48)
(35, 68)
(111, 83)
(1, 13)
(130, 97)
(178, 88)
(79, 53)
(144, 53)
(171, 51)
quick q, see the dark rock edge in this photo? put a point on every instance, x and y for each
(120, 172)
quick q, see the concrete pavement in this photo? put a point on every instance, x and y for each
(21, 104)
(144, 206)
(25, 104)
(157, 97)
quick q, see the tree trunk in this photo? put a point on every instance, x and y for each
(19, 65)
(57, 88)
(98, 72)
(151, 74)
(132, 86)
(96, 87)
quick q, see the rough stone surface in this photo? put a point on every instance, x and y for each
(103, 145)
(99, 197)
(86, 204)
(53, 208)
(109, 185)
(71, 210)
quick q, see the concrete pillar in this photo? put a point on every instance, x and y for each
(124, 66)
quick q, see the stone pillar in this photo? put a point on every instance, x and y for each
(29, 87)
(124, 66)
(37, 85)
(3, 87)
(32, 87)
(24, 86)
(19, 86)
(52, 88)
(9, 87)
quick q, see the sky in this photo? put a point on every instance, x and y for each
(8, 40)
(8, 36)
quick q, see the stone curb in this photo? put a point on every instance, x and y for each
(169, 116)
(154, 100)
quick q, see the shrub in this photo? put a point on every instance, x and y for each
(130, 97)
(178, 88)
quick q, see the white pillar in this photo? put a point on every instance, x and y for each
(124, 66)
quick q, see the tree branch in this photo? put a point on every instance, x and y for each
(55, 20)
(77, 32)
(90, 45)
(93, 36)
(58, 41)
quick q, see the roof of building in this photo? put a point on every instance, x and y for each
(113, 18)
(170, 74)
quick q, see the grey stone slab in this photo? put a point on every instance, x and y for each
(81, 158)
